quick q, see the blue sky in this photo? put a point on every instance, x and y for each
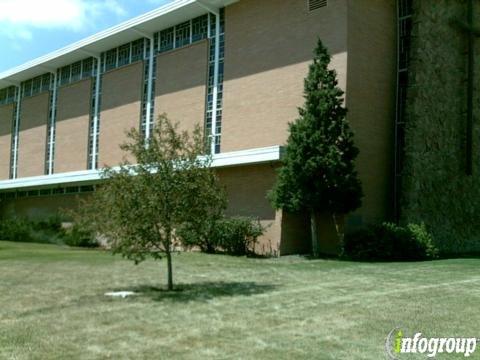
(32, 28)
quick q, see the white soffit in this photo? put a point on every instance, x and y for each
(153, 21)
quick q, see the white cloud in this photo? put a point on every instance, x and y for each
(19, 18)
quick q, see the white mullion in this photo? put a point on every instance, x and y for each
(215, 82)
(116, 60)
(149, 89)
(17, 125)
(130, 53)
(52, 124)
(96, 114)
(191, 31)
(209, 31)
(175, 37)
(144, 49)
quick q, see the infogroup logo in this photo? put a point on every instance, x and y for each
(397, 344)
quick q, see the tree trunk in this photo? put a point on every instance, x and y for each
(314, 233)
(168, 252)
(339, 226)
(169, 270)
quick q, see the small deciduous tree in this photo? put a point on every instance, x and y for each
(318, 172)
(210, 203)
(140, 205)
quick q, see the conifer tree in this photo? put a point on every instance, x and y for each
(318, 173)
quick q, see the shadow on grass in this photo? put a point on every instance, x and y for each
(199, 291)
(471, 255)
(346, 259)
(320, 257)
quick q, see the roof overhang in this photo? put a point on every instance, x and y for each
(229, 159)
(149, 23)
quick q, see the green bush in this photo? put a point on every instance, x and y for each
(234, 236)
(79, 237)
(237, 235)
(202, 237)
(19, 230)
(424, 239)
(47, 231)
(51, 224)
(390, 242)
(23, 230)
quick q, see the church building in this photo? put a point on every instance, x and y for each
(237, 68)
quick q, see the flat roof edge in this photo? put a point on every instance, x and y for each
(129, 24)
(228, 159)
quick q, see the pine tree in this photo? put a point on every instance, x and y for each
(318, 173)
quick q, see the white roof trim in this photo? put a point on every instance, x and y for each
(178, 9)
(234, 158)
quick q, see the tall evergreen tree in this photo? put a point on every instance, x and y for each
(318, 173)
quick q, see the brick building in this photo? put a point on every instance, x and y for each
(234, 66)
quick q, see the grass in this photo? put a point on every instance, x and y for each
(52, 306)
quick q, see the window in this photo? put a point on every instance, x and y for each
(3, 96)
(10, 94)
(156, 41)
(93, 136)
(87, 188)
(14, 143)
(137, 50)
(7, 195)
(36, 85)
(144, 121)
(111, 59)
(72, 189)
(316, 4)
(45, 192)
(123, 55)
(87, 68)
(166, 40)
(405, 8)
(182, 34)
(199, 28)
(46, 79)
(27, 88)
(65, 75)
(210, 103)
(76, 71)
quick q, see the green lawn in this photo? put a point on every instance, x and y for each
(52, 306)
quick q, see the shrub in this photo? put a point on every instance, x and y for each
(23, 230)
(16, 230)
(390, 242)
(204, 238)
(234, 236)
(424, 239)
(78, 236)
(237, 235)
(46, 231)
(51, 224)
